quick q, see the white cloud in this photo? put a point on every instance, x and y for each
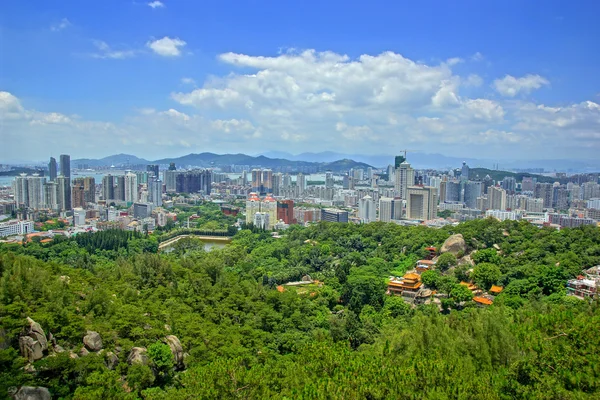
(105, 51)
(188, 81)
(64, 23)
(167, 47)
(156, 4)
(290, 101)
(477, 57)
(510, 86)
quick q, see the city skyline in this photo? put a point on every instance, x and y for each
(167, 85)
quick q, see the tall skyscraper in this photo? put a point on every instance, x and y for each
(194, 181)
(65, 165)
(301, 183)
(64, 193)
(108, 187)
(51, 195)
(472, 190)
(120, 188)
(152, 168)
(366, 210)
(277, 183)
(52, 169)
(464, 172)
(78, 193)
(405, 177)
(390, 209)
(131, 187)
(262, 181)
(35, 191)
(452, 191)
(329, 180)
(155, 191)
(509, 184)
(421, 202)
(496, 198)
(20, 190)
(545, 191)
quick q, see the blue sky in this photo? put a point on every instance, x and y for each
(168, 78)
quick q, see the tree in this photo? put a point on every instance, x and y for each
(486, 256)
(430, 279)
(161, 358)
(485, 275)
(446, 261)
(460, 293)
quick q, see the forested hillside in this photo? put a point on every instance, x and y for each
(242, 335)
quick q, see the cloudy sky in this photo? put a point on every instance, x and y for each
(512, 79)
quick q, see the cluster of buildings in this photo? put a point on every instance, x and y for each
(277, 198)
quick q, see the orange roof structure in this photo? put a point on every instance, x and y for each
(496, 289)
(412, 276)
(469, 286)
(280, 289)
(483, 300)
(426, 262)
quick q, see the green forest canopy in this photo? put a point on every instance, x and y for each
(344, 339)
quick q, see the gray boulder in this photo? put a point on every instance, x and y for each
(176, 349)
(30, 349)
(37, 333)
(111, 360)
(138, 356)
(454, 244)
(83, 352)
(32, 393)
(92, 341)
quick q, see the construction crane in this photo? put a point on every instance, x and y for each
(405, 151)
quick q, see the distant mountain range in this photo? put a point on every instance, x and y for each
(438, 161)
(207, 160)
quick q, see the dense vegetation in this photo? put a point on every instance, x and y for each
(343, 339)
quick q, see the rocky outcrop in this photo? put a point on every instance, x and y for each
(30, 349)
(92, 341)
(37, 333)
(138, 356)
(83, 352)
(32, 393)
(111, 360)
(454, 244)
(176, 349)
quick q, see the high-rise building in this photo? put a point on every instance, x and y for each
(172, 167)
(472, 190)
(108, 187)
(252, 207)
(131, 187)
(452, 191)
(262, 181)
(487, 182)
(51, 195)
(509, 184)
(269, 206)
(195, 181)
(155, 191)
(496, 198)
(52, 169)
(545, 191)
(277, 183)
(285, 211)
(64, 193)
(366, 210)
(153, 168)
(535, 205)
(405, 177)
(20, 191)
(35, 191)
(78, 193)
(442, 191)
(65, 165)
(464, 173)
(119, 188)
(329, 182)
(527, 184)
(334, 215)
(262, 220)
(170, 178)
(301, 183)
(421, 202)
(390, 209)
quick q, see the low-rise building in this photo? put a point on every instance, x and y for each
(15, 227)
